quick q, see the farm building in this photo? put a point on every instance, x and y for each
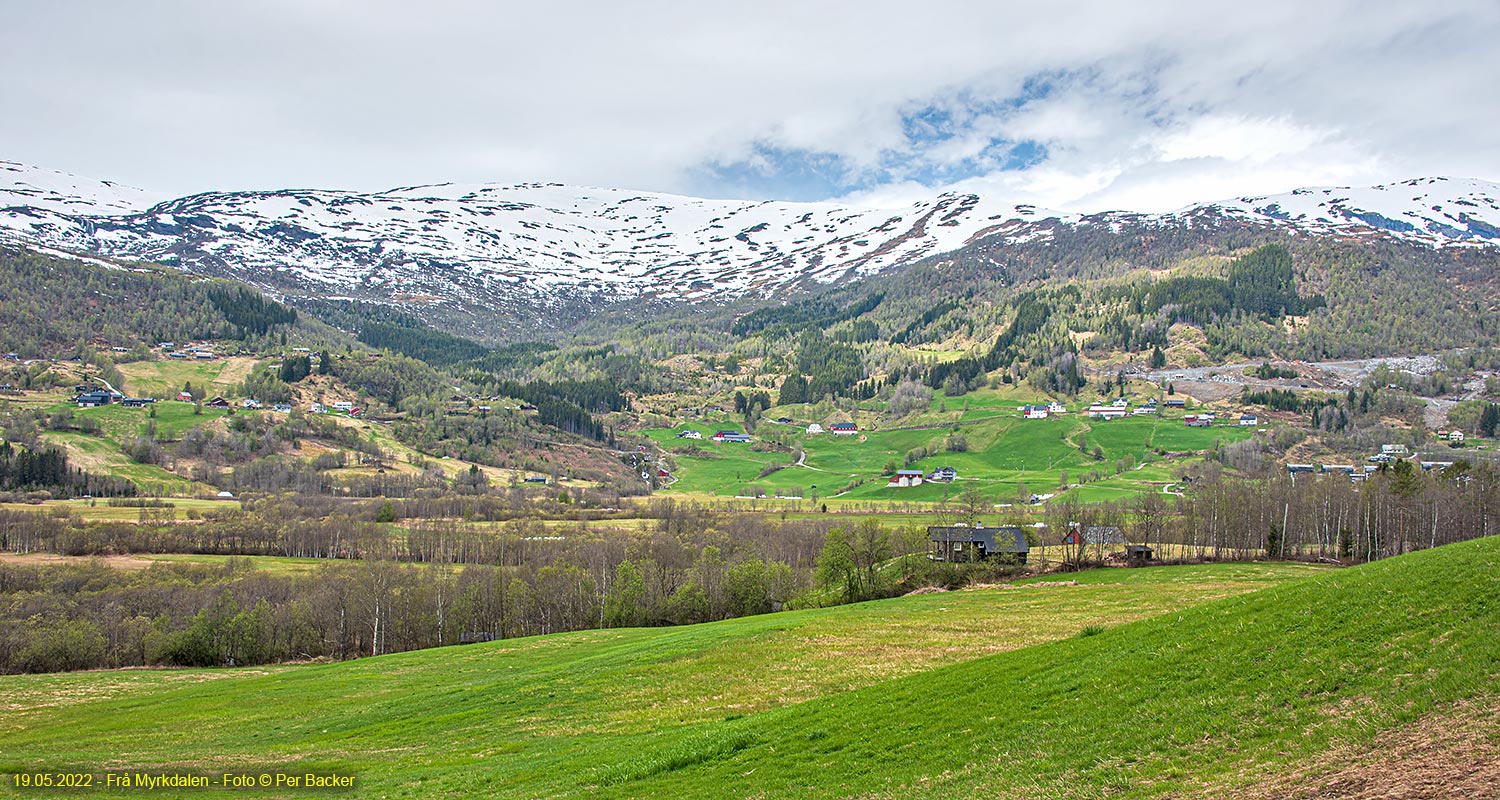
(963, 543)
(907, 477)
(943, 474)
(1034, 412)
(97, 397)
(1093, 534)
(844, 428)
(1249, 420)
(731, 436)
(1175, 403)
(1106, 412)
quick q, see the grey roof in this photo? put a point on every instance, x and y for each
(1006, 539)
(1103, 534)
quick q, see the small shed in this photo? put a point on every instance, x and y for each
(964, 543)
(1137, 555)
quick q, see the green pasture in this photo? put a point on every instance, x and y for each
(1004, 453)
(582, 713)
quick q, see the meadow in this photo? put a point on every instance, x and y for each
(560, 714)
(165, 378)
(1006, 456)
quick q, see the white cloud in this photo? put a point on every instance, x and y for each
(1239, 139)
(1153, 104)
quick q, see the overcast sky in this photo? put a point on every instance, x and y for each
(1078, 106)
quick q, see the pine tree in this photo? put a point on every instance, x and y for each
(1489, 420)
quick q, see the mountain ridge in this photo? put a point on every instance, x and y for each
(540, 248)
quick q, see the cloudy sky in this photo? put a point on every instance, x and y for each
(1078, 106)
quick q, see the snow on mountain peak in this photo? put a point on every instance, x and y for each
(542, 244)
(1438, 211)
(61, 192)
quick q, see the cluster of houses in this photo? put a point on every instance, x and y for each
(837, 429)
(1354, 473)
(1119, 407)
(93, 398)
(343, 406)
(202, 351)
(732, 436)
(905, 478)
(1389, 453)
(1208, 418)
(1042, 411)
(1115, 409)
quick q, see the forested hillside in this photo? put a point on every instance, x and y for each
(48, 303)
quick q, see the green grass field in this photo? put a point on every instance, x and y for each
(163, 379)
(103, 456)
(121, 424)
(101, 510)
(1005, 453)
(1134, 683)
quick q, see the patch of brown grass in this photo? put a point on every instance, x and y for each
(47, 559)
(1454, 752)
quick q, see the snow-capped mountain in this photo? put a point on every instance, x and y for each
(1435, 211)
(542, 245)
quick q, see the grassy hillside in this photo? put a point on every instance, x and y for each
(1044, 692)
(548, 714)
(1218, 696)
